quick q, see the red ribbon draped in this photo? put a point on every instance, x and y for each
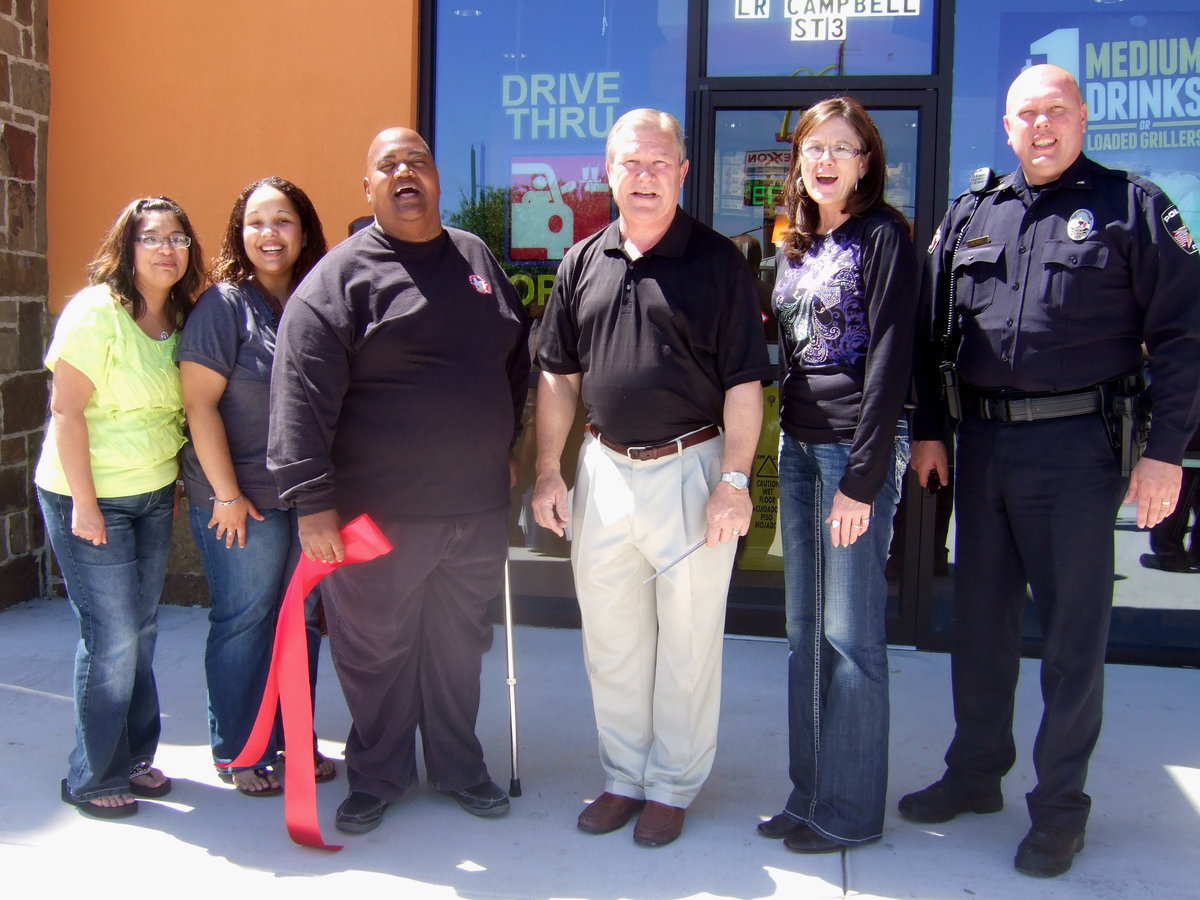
(288, 689)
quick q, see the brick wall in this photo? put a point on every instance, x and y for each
(24, 121)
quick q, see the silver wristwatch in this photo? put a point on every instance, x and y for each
(739, 480)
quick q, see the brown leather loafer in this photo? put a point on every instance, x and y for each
(608, 812)
(658, 824)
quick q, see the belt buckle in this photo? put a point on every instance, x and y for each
(994, 409)
(1025, 406)
(1007, 410)
(635, 453)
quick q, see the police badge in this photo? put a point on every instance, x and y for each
(1079, 226)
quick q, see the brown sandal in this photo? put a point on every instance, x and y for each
(260, 772)
(319, 759)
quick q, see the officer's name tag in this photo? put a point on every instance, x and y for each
(979, 241)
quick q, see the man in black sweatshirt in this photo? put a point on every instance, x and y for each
(397, 388)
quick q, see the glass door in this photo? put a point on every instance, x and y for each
(741, 158)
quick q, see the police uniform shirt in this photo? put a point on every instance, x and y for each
(1057, 287)
(660, 339)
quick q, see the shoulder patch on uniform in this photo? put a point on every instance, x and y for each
(1173, 221)
(937, 239)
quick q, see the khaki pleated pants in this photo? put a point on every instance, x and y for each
(653, 652)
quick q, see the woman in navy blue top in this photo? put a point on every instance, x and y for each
(246, 537)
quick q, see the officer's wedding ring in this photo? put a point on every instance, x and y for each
(836, 523)
(1166, 503)
(736, 532)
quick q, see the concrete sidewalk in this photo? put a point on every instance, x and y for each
(207, 840)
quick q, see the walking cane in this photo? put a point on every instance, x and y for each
(514, 786)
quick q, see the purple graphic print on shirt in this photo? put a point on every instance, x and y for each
(818, 299)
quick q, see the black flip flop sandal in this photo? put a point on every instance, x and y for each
(150, 792)
(88, 808)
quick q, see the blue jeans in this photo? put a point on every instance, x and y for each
(246, 587)
(837, 662)
(113, 590)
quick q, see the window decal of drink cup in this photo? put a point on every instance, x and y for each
(548, 216)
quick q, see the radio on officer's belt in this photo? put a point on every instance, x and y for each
(982, 180)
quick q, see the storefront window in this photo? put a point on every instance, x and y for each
(526, 91)
(525, 94)
(1137, 63)
(820, 37)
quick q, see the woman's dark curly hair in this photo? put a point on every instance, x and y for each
(233, 266)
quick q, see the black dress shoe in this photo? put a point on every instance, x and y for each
(940, 803)
(780, 826)
(1167, 562)
(808, 841)
(486, 799)
(1047, 851)
(359, 813)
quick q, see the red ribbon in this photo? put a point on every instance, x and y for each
(287, 686)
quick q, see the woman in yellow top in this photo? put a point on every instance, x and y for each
(106, 485)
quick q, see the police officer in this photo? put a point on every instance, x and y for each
(1053, 278)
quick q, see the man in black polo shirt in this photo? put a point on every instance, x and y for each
(1058, 274)
(655, 321)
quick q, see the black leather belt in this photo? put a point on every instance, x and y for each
(1007, 408)
(657, 451)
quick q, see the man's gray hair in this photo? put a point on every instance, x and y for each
(645, 118)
